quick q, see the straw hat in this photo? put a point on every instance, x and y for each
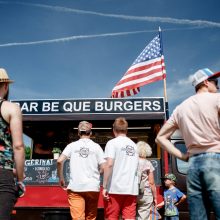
(4, 76)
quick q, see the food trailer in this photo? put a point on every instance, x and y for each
(53, 123)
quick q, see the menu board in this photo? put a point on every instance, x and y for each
(44, 172)
(157, 172)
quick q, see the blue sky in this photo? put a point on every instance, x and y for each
(81, 48)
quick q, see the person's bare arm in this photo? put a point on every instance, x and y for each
(153, 186)
(15, 120)
(183, 198)
(60, 163)
(160, 204)
(163, 140)
(107, 173)
(102, 167)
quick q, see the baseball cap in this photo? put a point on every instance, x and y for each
(4, 76)
(203, 74)
(170, 176)
(85, 126)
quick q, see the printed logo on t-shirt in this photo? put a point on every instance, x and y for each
(84, 152)
(130, 150)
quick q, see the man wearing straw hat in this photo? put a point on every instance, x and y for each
(11, 150)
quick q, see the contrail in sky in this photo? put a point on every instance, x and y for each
(197, 24)
(65, 39)
(121, 16)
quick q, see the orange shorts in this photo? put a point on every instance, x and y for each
(83, 205)
(120, 204)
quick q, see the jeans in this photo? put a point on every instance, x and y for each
(203, 185)
(7, 193)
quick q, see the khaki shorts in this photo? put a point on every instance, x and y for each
(144, 204)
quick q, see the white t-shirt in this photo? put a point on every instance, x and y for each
(124, 179)
(85, 157)
(198, 120)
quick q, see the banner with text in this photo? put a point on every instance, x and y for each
(92, 106)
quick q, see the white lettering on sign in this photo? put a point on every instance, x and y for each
(39, 162)
(98, 106)
(118, 106)
(55, 107)
(92, 106)
(138, 106)
(128, 106)
(32, 107)
(86, 106)
(77, 106)
(156, 106)
(46, 107)
(50, 106)
(147, 105)
(67, 107)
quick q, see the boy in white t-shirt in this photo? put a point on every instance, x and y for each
(86, 163)
(120, 184)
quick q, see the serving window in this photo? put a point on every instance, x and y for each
(47, 135)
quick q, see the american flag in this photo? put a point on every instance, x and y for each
(147, 68)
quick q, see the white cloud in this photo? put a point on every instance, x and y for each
(183, 82)
(180, 90)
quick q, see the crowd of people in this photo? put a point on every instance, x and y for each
(125, 168)
(129, 190)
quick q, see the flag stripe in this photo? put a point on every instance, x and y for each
(143, 70)
(141, 74)
(136, 83)
(144, 65)
(126, 93)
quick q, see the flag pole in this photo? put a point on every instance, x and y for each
(166, 162)
(164, 79)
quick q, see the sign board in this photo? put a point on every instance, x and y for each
(157, 172)
(44, 172)
(92, 106)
